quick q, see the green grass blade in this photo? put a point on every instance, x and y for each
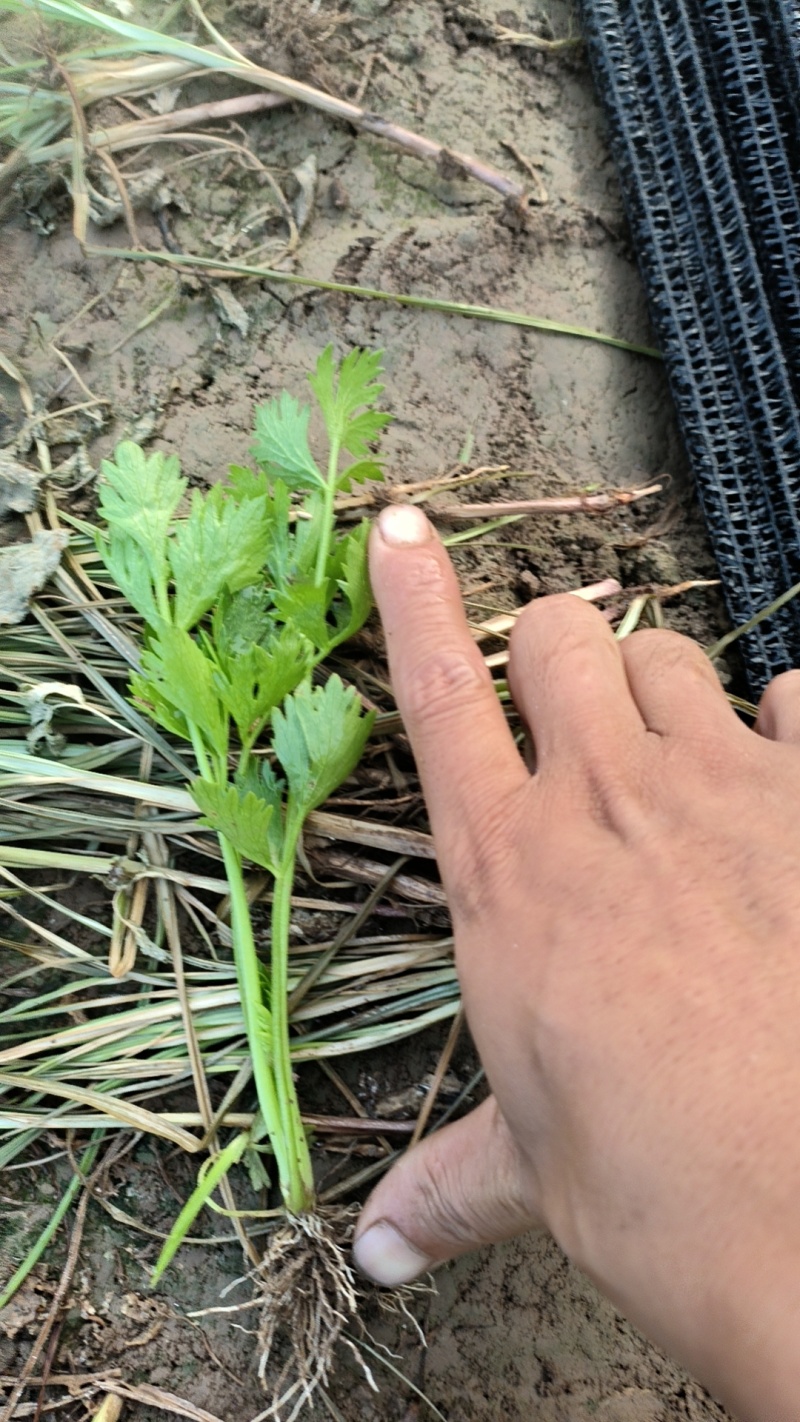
(422, 303)
(208, 1180)
(37, 1249)
(479, 530)
(717, 648)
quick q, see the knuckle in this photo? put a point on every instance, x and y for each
(549, 620)
(440, 681)
(655, 651)
(459, 1210)
(611, 791)
(561, 631)
(483, 860)
(442, 1203)
(779, 707)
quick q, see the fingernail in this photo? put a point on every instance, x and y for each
(385, 1255)
(403, 526)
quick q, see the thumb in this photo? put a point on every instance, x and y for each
(464, 1186)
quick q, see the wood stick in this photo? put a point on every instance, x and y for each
(356, 1125)
(438, 1076)
(284, 90)
(368, 871)
(116, 135)
(503, 622)
(575, 503)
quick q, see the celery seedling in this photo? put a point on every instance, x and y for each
(241, 600)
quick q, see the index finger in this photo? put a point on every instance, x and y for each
(467, 760)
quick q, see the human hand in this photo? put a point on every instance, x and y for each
(627, 928)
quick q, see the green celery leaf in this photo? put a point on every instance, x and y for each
(357, 473)
(256, 681)
(339, 399)
(138, 498)
(352, 578)
(318, 738)
(304, 607)
(241, 619)
(243, 483)
(281, 443)
(264, 978)
(222, 544)
(263, 1018)
(149, 692)
(242, 817)
(363, 430)
(254, 1165)
(176, 671)
(259, 777)
(272, 789)
(131, 569)
(280, 554)
(305, 536)
(293, 541)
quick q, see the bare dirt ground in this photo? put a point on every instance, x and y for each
(515, 1333)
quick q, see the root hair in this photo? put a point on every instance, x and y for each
(308, 1297)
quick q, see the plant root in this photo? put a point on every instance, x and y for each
(308, 1298)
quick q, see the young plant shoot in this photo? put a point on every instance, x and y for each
(241, 600)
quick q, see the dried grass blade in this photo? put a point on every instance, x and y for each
(21, 768)
(157, 1397)
(414, 843)
(124, 1112)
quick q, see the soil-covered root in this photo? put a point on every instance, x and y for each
(308, 1298)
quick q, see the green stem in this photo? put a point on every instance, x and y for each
(162, 596)
(249, 980)
(246, 750)
(201, 756)
(328, 519)
(298, 1188)
(272, 1063)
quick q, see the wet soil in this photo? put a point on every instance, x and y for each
(514, 1333)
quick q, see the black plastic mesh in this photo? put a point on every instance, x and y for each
(703, 101)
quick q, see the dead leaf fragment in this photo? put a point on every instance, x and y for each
(41, 712)
(24, 569)
(305, 175)
(229, 309)
(18, 486)
(163, 100)
(24, 1310)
